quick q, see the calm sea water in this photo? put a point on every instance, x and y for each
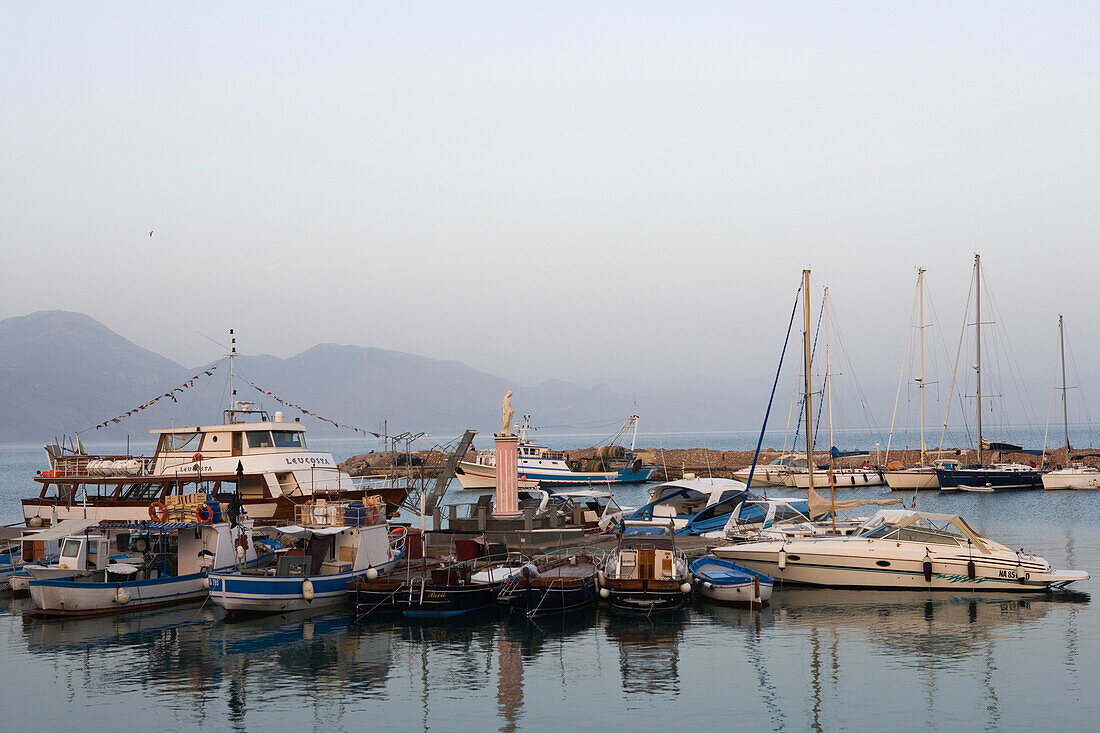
(816, 659)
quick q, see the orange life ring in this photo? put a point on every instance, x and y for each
(204, 514)
(158, 512)
(197, 457)
(371, 514)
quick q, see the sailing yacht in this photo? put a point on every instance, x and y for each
(922, 476)
(996, 476)
(1078, 476)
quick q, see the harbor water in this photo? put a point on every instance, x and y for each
(815, 659)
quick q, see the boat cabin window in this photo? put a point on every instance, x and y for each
(288, 439)
(878, 532)
(182, 441)
(71, 548)
(259, 439)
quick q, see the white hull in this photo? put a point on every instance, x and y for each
(740, 593)
(86, 599)
(762, 476)
(912, 480)
(1071, 480)
(841, 479)
(858, 564)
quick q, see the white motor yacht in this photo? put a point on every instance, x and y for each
(905, 550)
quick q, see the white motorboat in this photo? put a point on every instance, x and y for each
(1076, 478)
(905, 550)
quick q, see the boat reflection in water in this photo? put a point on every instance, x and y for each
(937, 624)
(649, 651)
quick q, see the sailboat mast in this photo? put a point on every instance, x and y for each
(1065, 408)
(809, 383)
(978, 340)
(829, 386)
(828, 367)
(920, 289)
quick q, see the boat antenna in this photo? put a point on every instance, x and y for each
(232, 385)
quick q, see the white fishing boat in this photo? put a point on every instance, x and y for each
(538, 465)
(342, 542)
(904, 550)
(159, 564)
(263, 460)
(39, 547)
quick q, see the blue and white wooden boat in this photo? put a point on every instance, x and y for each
(727, 582)
(340, 545)
(538, 465)
(166, 563)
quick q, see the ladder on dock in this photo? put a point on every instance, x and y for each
(448, 472)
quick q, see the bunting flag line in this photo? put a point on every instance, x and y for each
(304, 411)
(167, 395)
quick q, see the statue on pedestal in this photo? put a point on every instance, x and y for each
(507, 413)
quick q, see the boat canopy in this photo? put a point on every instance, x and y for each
(901, 518)
(61, 530)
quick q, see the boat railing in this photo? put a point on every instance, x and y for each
(98, 465)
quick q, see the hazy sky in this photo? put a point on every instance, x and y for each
(571, 190)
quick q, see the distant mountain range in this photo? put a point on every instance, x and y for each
(62, 372)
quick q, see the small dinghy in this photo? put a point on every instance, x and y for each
(727, 582)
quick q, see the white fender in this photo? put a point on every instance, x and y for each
(122, 596)
(782, 559)
(604, 593)
(685, 587)
(372, 574)
(307, 589)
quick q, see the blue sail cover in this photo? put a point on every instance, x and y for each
(837, 453)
